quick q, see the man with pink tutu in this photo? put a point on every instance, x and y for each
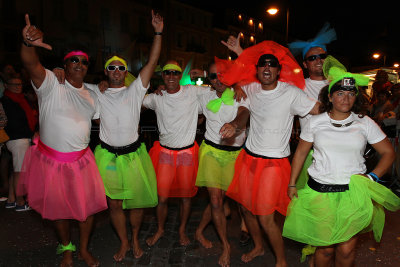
(59, 173)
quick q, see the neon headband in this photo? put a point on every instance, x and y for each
(172, 67)
(115, 58)
(324, 37)
(76, 53)
(335, 71)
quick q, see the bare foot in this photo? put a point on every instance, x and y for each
(67, 259)
(120, 255)
(88, 258)
(137, 250)
(153, 239)
(203, 241)
(225, 258)
(252, 254)
(184, 239)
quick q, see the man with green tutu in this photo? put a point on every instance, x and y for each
(217, 158)
(124, 164)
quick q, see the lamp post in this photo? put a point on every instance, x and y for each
(273, 11)
(378, 56)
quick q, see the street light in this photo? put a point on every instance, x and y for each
(378, 56)
(273, 11)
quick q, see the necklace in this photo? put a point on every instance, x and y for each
(339, 125)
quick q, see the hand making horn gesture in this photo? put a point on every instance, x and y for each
(32, 35)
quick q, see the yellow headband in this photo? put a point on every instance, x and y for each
(115, 58)
(172, 67)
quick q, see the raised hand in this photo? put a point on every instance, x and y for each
(32, 35)
(233, 44)
(157, 21)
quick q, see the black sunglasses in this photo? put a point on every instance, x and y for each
(114, 67)
(76, 60)
(213, 76)
(270, 63)
(314, 57)
(173, 72)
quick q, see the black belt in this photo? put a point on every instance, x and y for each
(222, 147)
(179, 148)
(122, 150)
(258, 156)
(326, 188)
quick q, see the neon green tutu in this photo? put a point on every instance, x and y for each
(130, 177)
(303, 176)
(323, 219)
(216, 167)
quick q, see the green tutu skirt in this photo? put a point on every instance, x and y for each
(323, 219)
(130, 177)
(216, 167)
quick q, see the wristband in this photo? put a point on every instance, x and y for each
(373, 175)
(291, 185)
(157, 33)
(26, 44)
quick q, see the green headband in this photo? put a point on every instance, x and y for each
(335, 71)
(172, 67)
(115, 58)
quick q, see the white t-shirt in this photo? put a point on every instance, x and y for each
(271, 117)
(338, 151)
(120, 113)
(177, 114)
(312, 89)
(214, 121)
(65, 114)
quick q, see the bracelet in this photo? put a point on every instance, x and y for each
(157, 33)
(376, 178)
(26, 44)
(291, 185)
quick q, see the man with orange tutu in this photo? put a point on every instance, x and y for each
(271, 78)
(59, 173)
(175, 156)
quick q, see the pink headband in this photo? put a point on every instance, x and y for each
(76, 53)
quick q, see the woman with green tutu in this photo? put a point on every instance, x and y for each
(339, 200)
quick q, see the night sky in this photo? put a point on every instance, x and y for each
(362, 29)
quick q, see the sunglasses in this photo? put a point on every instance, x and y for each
(114, 67)
(314, 57)
(270, 63)
(213, 76)
(76, 60)
(171, 72)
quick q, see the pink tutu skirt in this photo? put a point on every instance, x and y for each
(62, 185)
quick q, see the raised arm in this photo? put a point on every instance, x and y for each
(237, 125)
(233, 44)
(32, 37)
(147, 72)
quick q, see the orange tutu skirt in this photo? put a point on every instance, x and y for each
(176, 170)
(260, 184)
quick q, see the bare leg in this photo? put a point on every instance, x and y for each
(255, 232)
(275, 237)
(20, 199)
(219, 219)
(11, 191)
(346, 253)
(85, 229)
(184, 216)
(162, 212)
(63, 232)
(118, 220)
(205, 220)
(324, 256)
(136, 217)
